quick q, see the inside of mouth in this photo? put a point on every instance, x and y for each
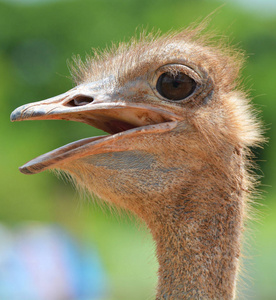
(116, 126)
(113, 126)
(116, 121)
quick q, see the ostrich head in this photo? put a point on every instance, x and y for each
(176, 153)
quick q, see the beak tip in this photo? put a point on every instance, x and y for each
(26, 112)
(25, 170)
(15, 115)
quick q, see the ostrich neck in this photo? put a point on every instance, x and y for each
(198, 245)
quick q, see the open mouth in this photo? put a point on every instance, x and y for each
(118, 119)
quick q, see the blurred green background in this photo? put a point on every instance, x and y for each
(36, 40)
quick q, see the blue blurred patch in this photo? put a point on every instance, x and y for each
(39, 262)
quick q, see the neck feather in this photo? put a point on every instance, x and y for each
(198, 244)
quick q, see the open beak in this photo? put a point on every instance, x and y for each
(90, 103)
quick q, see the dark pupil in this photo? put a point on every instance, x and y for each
(175, 87)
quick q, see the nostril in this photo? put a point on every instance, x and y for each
(80, 100)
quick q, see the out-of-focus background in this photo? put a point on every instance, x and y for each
(49, 235)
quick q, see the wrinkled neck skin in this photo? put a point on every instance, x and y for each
(199, 259)
(198, 235)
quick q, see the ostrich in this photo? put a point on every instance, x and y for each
(176, 154)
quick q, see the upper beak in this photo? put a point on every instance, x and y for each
(89, 103)
(92, 104)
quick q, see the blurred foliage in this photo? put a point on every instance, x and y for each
(35, 43)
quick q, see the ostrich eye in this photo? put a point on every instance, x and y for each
(175, 87)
